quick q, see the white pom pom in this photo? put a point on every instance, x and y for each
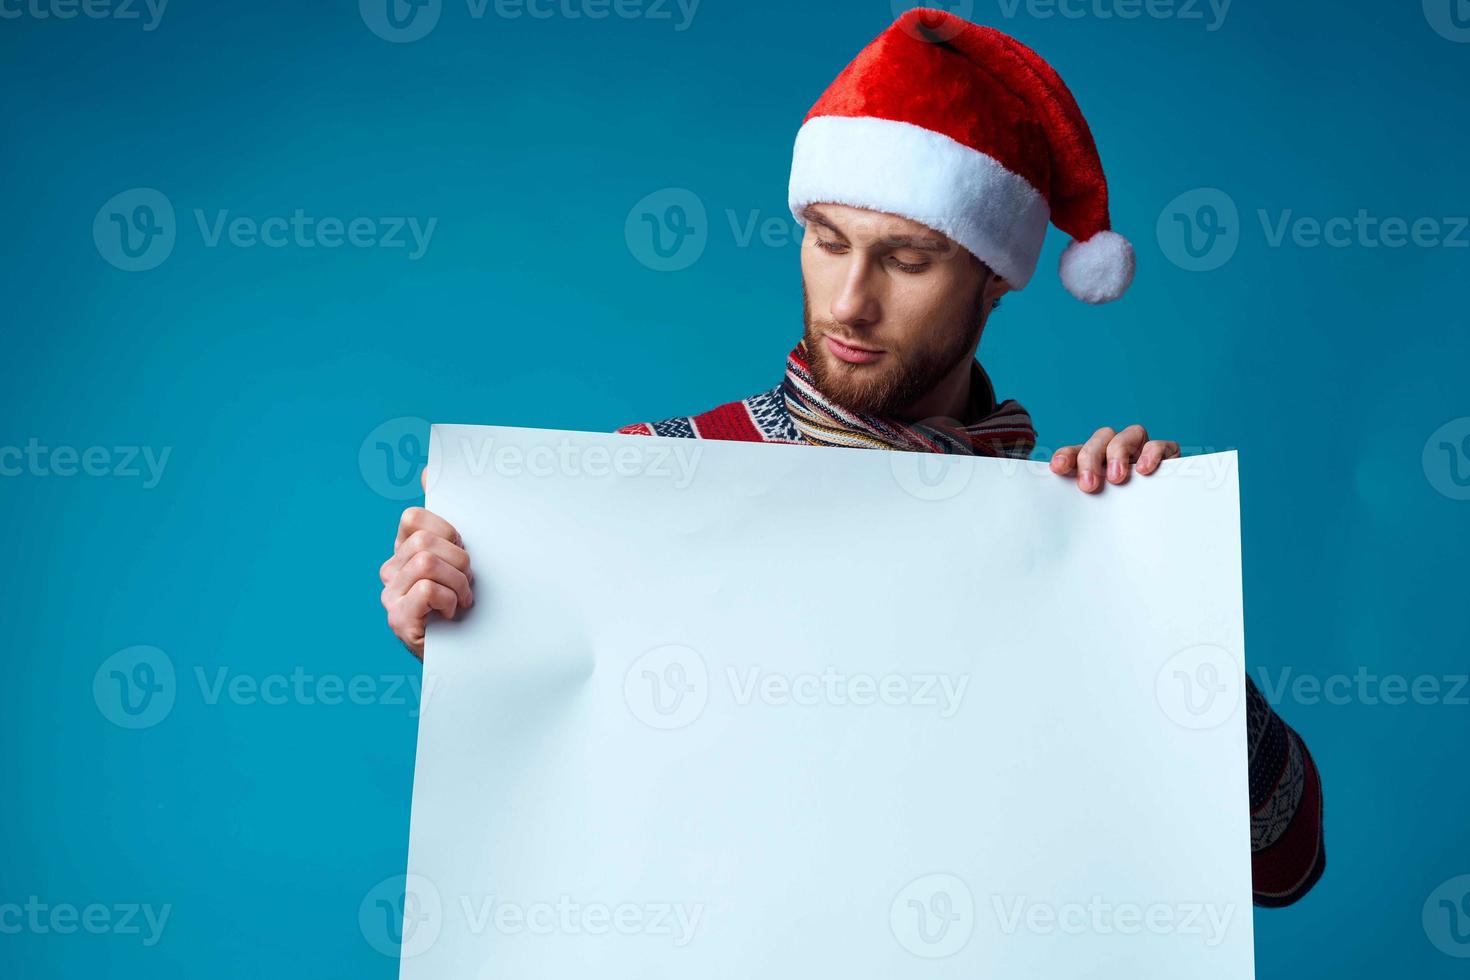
(1099, 269)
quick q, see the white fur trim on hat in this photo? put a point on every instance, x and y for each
(1099, 269)
(916, 173)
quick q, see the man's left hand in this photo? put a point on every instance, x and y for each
(1111, 455)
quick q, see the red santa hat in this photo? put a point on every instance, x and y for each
(965, 130)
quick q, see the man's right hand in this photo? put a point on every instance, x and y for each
(429, 571)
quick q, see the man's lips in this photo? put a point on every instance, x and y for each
(849, 353)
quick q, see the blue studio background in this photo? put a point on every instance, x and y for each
(191, 409)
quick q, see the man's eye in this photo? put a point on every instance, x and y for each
(908, 266)
(836, 248)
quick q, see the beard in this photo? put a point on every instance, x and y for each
(902, 376)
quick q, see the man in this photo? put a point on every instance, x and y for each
(925, 177)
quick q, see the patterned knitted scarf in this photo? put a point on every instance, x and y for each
(1002, 430)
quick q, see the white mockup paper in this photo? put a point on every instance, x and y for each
(728, 710)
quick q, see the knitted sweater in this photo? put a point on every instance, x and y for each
(1287, 851)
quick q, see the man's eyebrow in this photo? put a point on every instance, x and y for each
(922, 244)
(814, 216)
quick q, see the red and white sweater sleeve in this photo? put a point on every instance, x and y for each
(1287, 852)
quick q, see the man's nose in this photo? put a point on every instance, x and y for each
(856, 303)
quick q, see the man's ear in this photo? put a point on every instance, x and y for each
(996, 287)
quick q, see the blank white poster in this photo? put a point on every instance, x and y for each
(781, 712)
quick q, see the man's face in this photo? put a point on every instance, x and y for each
(891, 308)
